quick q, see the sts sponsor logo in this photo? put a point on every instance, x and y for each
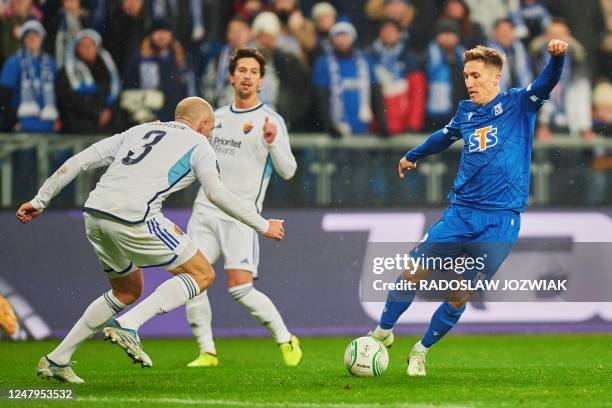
(482, 139)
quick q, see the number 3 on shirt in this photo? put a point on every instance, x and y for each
(158, 135)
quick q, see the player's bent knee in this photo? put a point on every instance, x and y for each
(128, 289)
(203, 273)
(199, 269)
(204, 278)
(237, 277)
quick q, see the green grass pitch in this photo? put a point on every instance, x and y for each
(463, 371)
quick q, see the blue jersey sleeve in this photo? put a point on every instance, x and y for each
(437, 141)
(536, 93)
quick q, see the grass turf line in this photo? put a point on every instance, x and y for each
(463, 371)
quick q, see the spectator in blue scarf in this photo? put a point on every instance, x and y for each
(28, 84)
(517, 69)
(349, 100)
(444, 68)
(401, 78)
(348, 94)
(27, 97)
(161, 64)
(88, 86)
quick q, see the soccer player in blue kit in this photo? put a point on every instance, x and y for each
(489, 192)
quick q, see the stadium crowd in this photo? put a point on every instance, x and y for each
(379, 66)
(342, 67)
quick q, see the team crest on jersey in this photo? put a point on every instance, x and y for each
(497, 109)
(247, 127)
(482, 139)
(177, 230)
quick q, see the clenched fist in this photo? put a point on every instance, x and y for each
(276, 230)
(405, 165)
(557, 47)
(27, 212)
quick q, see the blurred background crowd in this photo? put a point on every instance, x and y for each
(381, 66)
(341, 67)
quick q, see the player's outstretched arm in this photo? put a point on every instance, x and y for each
(97, 155)
(549, 77)
(435, 143)
(235, 207)
(204, 165)
(89, 158)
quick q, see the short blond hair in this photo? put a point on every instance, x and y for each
(488, 55)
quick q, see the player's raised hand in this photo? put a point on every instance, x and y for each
(557, 47)
(405, 165)
(275, 230)
(27, 212)
(269, 131)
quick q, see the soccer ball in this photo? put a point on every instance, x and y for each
(366, 357)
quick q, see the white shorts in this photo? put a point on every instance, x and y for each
(237, 242)
(123, 248)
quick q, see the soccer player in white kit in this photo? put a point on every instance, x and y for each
(124, 224)
(250, 139)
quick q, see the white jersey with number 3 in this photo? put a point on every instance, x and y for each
(245, 159)
(149, 162)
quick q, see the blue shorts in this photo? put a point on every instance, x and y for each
(464, 231)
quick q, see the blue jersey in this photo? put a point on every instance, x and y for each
(495, 164)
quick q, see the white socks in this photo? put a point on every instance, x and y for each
(420, 347)
(169, 295)
(199, 316)
(261, 307)
(97, 314)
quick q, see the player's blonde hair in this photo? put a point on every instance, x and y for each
(488, 55)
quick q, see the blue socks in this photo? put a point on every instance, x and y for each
(397, 303)
(444, 319)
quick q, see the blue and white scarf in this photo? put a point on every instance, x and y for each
(69, 27)
(388, 58)
(440, 99)
(82, 81)
(33, 86)
(339, 85)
